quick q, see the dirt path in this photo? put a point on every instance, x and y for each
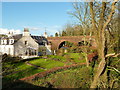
(45, 73)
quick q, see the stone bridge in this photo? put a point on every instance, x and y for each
(57, 41)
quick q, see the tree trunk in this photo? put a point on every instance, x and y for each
(100, 38)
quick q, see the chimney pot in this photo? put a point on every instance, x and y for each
(26, 30)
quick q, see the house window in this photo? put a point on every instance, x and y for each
(26, 53)
(25, 42)
(35, 52)
(30, 52)
(11, 41)
(3, 42)
(7, 42)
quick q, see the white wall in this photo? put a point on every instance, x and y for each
(25, 57)
(8, 49)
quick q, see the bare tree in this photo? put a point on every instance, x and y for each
(81, 13)
(99, 28)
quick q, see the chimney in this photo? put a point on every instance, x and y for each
(26, 32)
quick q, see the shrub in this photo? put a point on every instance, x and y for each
(9, 58)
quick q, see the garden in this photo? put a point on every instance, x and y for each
(15, 69)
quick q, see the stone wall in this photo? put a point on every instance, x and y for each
(23, 45)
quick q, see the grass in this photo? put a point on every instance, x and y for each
(24, 73)
(59, 58)
(75, 77)
(71, 78)
(24, 70)
(79, 77)
(76, 57)
(20, 69)
(47, 63)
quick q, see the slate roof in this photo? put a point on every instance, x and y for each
(17, 37)
(40, 39)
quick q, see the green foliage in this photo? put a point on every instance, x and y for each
(17, 70)
(56, 35)
(2, 35)
(72, 78)
(56, 57)
(9, 58)
(113, 72)
(83, 43)
(42, 50)
(78, 49)
(75, 57)
(60, 51)
(68, 44)
(63, 33)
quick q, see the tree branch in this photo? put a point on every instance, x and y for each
(92, 15)
(111, 14)
(114, 69)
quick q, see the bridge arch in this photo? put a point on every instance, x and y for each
(61, 44)
(57, 42)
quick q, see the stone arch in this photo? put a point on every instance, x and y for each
(61, 44)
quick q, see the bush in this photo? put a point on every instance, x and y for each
(9, 58)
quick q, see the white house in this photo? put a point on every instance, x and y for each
(6, 45)
(24, 45)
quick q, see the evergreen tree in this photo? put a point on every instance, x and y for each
(63, 33)
(56, 34)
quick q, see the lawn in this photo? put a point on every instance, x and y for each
(76, 57)
(70, 78)
(47, 63)
(20, 70)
